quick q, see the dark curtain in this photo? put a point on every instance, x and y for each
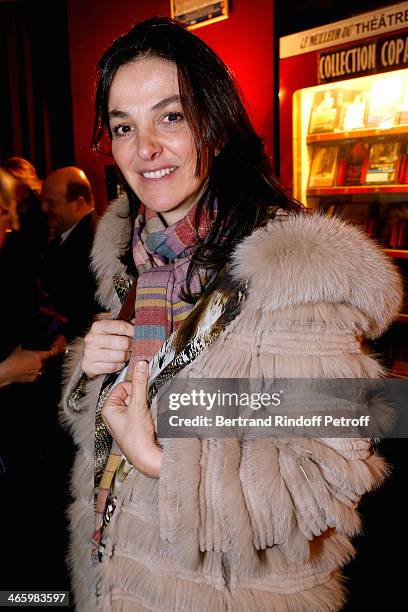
(35, 90)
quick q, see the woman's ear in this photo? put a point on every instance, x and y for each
(219, 148)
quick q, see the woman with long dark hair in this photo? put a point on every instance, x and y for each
(209, 270)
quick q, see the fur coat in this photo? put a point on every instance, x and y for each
(264, 527)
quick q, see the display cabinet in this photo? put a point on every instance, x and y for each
(350, 158)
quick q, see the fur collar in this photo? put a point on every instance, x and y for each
(306, 258)
(111, 239)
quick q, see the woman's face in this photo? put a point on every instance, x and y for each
(152, 142)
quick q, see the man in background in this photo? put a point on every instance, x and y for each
(69, 288)
(68, 202)
(35, 452)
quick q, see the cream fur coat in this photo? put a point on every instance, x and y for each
(255, 529)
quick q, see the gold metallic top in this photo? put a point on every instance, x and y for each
(221, 306)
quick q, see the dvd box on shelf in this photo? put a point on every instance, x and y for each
(383, 163)
(353, 166)
(403, 170)
(394, 234)
(352, 110)
(402, 114)
(323, 166)
(323, 117)
(386, 97)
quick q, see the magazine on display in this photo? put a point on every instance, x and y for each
(402, 115)
(384, 162)
(323, 117)
(386, 97)
(353, 166)
(352, 110)
(323, 166)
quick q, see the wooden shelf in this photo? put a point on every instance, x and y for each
(398, 254)
(355, 189)
(351, 134)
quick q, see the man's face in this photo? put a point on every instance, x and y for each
(62, 215)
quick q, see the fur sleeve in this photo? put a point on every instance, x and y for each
(316, 287)
(250, 495)
(79, 395)
(296, 490)
(72, 374)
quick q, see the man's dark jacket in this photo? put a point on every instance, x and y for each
(68, 280)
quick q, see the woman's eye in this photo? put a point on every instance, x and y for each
(121, 130)
(173, 117)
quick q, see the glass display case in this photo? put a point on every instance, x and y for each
(350, 149)
(350, 138)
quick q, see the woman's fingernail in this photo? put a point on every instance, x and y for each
(141, 366)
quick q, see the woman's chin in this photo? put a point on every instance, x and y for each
(170, 211)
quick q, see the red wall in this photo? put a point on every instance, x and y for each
(244, 41)
(294, 73)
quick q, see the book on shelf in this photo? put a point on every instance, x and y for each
(331, 209)
(372, 221)
(383, 163)
(392, 226)
(353, 165)
(386, 96)
(323, 117)
(395, 226)
(402, 111)
(403, 170)
(398, 237)
(352, 111)
(402, 114)
(323, 166)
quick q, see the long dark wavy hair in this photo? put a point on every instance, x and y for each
(229, 152)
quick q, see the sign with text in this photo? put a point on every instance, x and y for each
(379, 22)
(390, 53)
(197, 13)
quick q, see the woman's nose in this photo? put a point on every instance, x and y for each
(149, 145)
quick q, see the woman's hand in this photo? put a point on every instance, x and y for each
(107, 347)
(22, 366)
(128, 418)
(58, 346)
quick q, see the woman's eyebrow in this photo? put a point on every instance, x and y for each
(166, 102)
(118, 114)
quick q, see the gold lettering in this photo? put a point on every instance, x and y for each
(321, 68)
(363, 58)
(399, 50)
(405, 58)
(383, 53)
(343, 62)
(372, 56)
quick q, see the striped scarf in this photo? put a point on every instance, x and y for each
(162, 256)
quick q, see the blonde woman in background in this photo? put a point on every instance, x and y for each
(25, 174)
(8, 206)
(33, 221)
